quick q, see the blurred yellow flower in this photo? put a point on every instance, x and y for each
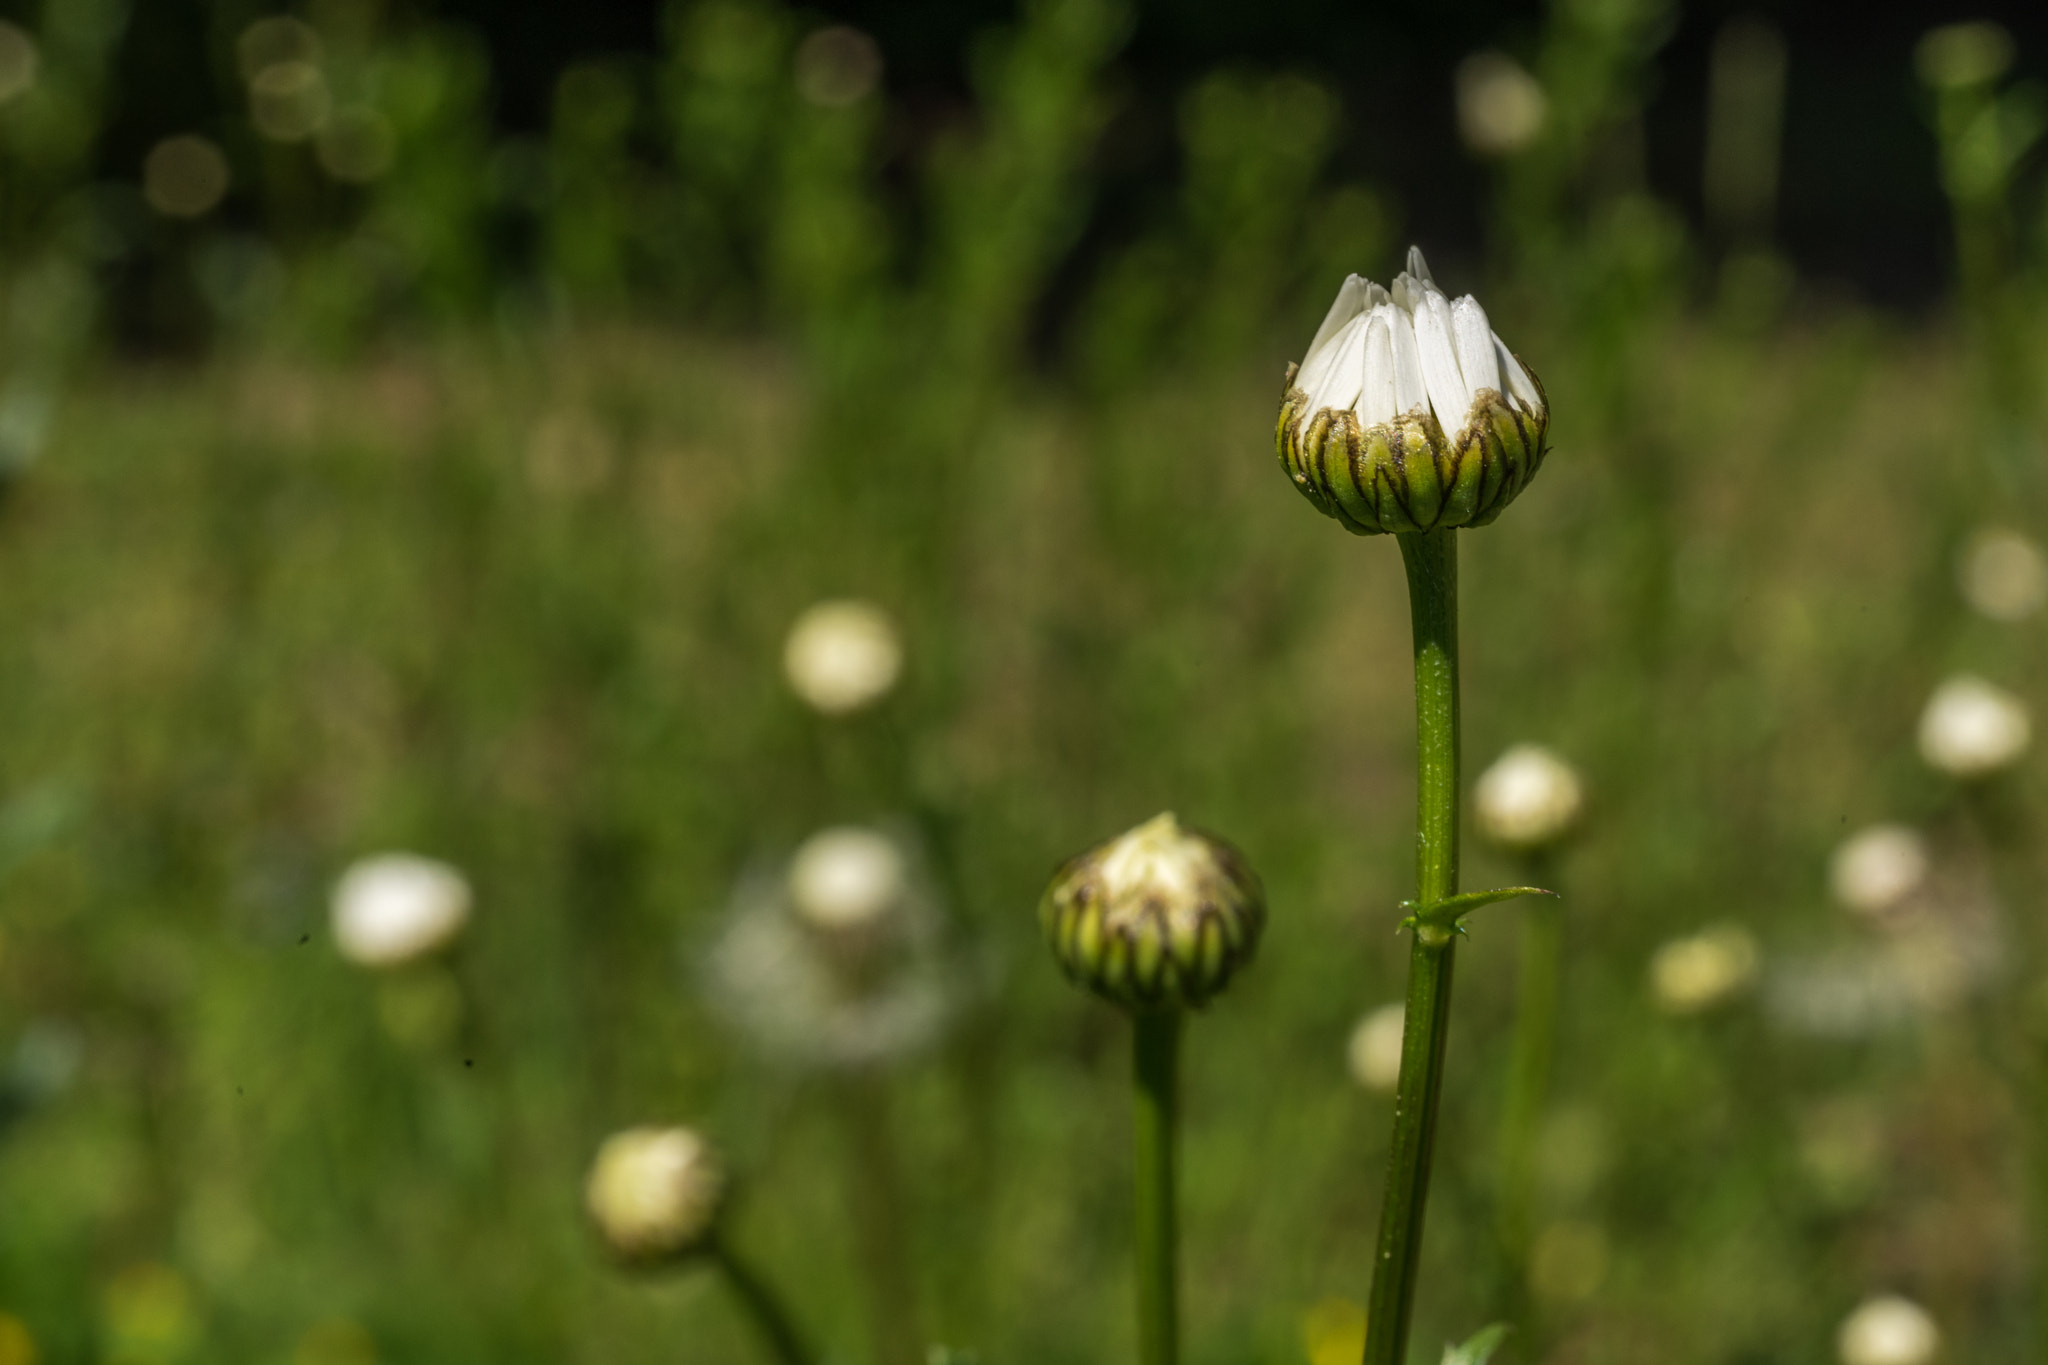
(17, 1347)
(1333, 1332)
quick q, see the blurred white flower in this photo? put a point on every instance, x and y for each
(847, 878)
(1689, 975)
(837, 67)
(838, 958)
(1374, 1050)
(288, 101)
(1972, 728)
(1877, 868)
(843, 655)
(2002, 574)
(398, 907)
(185, 176)
(1888, 1331)
(1529, 798)
(654, 1193)
(1501, 107)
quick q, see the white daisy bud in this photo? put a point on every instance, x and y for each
(2003, 575)
(1374, 1050)
(1408, 413)
(1888, 1331)
(1972, 728)
(1877, 868)
(1528, 799)
(847, 878)
(655, 1193)
(396, 908)
(1692, 975)
(843, 656)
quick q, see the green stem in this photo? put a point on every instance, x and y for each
(881, 1229)
(1529, 1075)
(1432, 561)
(771, 1319)
(1155, 1090)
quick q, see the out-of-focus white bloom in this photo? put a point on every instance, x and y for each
(1888, 1331)
(1374, 1050)
(1501, 107)
(18, 62)
(855, 978)
(1689, 975)
(843, 655)
(278, 38)
(654, 1193)
(1972, 728)
(837, 67)
(1529, 798)
(398, 907)
(846, 878)
(288, 101)
(1877, 868)
(2003, 574)
(185, 176)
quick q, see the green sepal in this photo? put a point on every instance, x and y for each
(1479, 1347)
(1446, 913)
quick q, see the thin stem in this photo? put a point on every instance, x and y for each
(875, 1200)
(1529, 1074)
(763, 1305)
(1432, 561)
(1155, 1092)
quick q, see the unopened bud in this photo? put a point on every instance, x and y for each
(1530, 798)
(1888, 1331)
(1408, 413)
(1877, 868)
(1375, 1048)
(846, 879)
(1972, 729)
(1159, 917)
(398, 907)
(655, 1193)
(843, 656)
(1692, 975)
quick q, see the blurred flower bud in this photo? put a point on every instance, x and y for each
(288, 101)
(837, 66)
(1157, 917)
(1568, 1262)
(1374, 1051)
(1528, 799)
(842, 656)
(655, 1194)
(1957, 56)
(847, 878)
(279, 38)
(1692, 975)
(1877, 868)
(2002, 574)
(1408, 413)
(397, 908)
(1888, 1331)
(18, 62)
(185, 176)
(1972, 729)
(1501, 107)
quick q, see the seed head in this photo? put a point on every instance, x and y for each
(655, 1194)
(1408, 413)
(843, 656)
(1888, 1331)
(1972, 729)
(1158, 917)
(1530, 798)
(397, 908)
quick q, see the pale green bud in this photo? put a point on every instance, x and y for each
(1408, 413)
(1157, 918)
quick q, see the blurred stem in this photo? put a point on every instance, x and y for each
(1155, 1089)
(1535, 1042)
(763, 1305)
(1431, 558)
(875, 1195)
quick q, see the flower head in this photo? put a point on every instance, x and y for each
(1877, 868)
(1530, 798)
(1408, 413)
(1158, 917)
(842, 656)
(655, 1193)
(398, 907)
(1972, 728)
(1374, 1049)
(1692, 975)
(1888, 1331)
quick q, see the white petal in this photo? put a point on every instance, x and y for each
(1376, 396)
(1351, 301)
(1447, 391)
(1375, 295)
(1339, 385)
(1410, 393)
(1520, 386)
(1474, 341)
(1315, 371)
(1418, 267)
(1408, 292)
